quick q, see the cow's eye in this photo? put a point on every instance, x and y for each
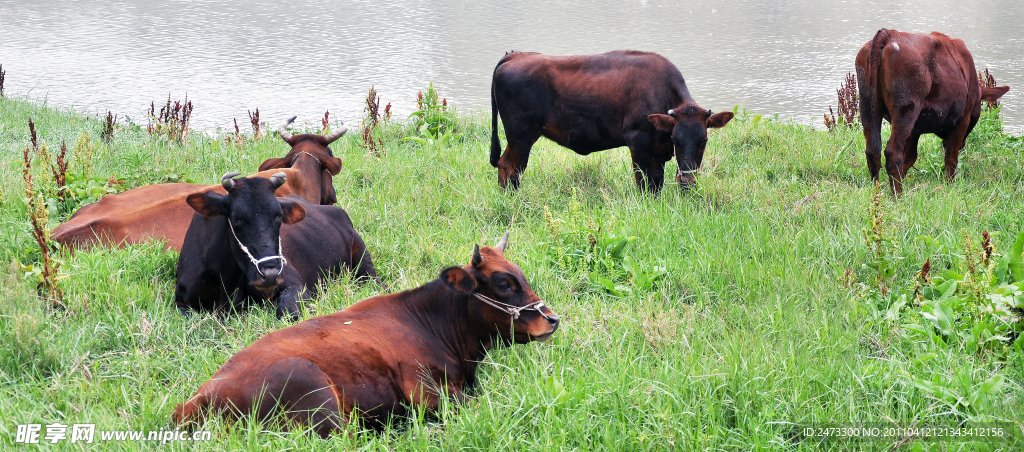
(504, 286)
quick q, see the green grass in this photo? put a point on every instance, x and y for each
(751, 331)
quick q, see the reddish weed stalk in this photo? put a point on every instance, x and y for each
(173, 119)
(38, 217)
(849, 108)
(107, 135)
(254, 119)
(985, 80)
(372, 120)
(325, 124)
(60, 171)
(2, 75)
(237, 139)
(32, 133)
(830, 119)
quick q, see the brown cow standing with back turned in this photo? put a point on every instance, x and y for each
(159, 211)
(920, 83)
(591, 103)
(381, 356)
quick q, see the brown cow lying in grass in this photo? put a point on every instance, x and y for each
(383, 355)
(921, 84)
(159, 212)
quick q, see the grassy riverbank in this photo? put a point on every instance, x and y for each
(754, 321)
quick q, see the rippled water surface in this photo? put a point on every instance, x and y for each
(304, 57)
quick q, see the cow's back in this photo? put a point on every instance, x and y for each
(346, 346)
(322, 243)
(934, 71)
(150, 212)
(139, 214)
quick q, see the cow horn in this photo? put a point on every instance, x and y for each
(502, 243)
(278, 180)
(336, 134)
(671, 111)
(283, 129)
(226, 181)
(477, 258)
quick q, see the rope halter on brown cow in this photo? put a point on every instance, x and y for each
(257, 262)
(314, 158)
(512, 310)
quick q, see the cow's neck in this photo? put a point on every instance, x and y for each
(215, 256)
(444, 313)
(308, 164)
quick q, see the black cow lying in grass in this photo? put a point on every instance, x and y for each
(249, 245)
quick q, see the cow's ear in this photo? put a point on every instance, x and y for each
(993, 94)
(719, 120)
(663, 123)
(209, 204)
(332, 165)
(270, 164)
(293, 212)
(459, 279)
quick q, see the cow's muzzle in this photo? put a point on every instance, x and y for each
(271, 277)
(686, 178)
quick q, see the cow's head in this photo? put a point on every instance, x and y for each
(311, 149)
(501, 295)
(254, 218)
(688, 125)
(992, 95)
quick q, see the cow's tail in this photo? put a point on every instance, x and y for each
(868, 91)
(495, 143)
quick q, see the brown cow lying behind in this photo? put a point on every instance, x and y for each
(159, 212)
(382, 355)
(921, 84)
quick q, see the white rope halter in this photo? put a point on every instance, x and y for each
(512, 310)
(256, 262)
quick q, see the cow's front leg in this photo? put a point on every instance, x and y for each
(646, 171)
(656, 176)
(517, 154)
(953, 144)
(642, 172)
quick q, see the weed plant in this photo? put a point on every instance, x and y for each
(748, 322)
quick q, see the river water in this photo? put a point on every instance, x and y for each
(303, 57)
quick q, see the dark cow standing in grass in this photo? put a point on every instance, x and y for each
(383, 355)
(248, 244)
(159, 211)
(591, 103)
(920, 83)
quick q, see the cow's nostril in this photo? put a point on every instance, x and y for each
(553, 320)
(270, 275)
